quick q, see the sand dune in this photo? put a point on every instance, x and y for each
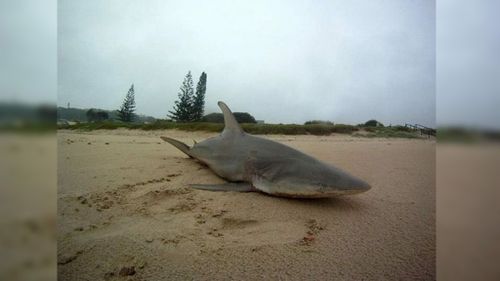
(125, 212)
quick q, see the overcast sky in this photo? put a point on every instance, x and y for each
(468, 68)
(281, 61)
(28, 54)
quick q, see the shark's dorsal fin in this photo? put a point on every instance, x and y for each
(230, 123)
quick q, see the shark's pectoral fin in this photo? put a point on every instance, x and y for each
(238, 187)
(179, 145)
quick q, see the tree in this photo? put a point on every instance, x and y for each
(213, 118)
(183, 108)
(318, 122)
(373, 123)
(126, 112)
(102, 115)
(199, 98)
(90, 115)
(96, 115)
(241, 117)
(244, 117)
(47, 113)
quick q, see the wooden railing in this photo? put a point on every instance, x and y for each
(423, 129)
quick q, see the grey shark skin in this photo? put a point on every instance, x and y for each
(257, 164)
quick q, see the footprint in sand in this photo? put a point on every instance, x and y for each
(183, 207)
(215, 232)
(123, 272)
(65, 259)
(200, 219)
(314, 228)
(219, 213)
(251, 232)
(231, 223)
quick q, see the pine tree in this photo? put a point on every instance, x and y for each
(183, 108)
(126, 112)
(199, 98)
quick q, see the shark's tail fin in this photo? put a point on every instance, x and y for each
(180, 145)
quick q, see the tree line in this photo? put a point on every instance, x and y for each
(189, 107)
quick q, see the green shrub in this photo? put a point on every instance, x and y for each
(402, 128)
(344, 129)
(213, 118)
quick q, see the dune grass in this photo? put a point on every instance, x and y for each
(389, 132)
(467, 135)
(257, 129)
(29, 128)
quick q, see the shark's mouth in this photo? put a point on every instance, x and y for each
(333, 193)
(314, 194)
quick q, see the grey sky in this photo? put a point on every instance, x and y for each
(28, 56)
(281, 61)
(468, 69)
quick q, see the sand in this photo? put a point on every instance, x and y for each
(468, 228)
(28, 206)
(125, 212)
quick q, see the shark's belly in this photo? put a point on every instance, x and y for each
(227, 168)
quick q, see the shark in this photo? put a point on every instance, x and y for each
(253, 164)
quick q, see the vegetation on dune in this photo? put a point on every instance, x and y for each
(388, 132)
(466, 135)
(82, 115)
(213, 118)
(294, 129)
(316, 122)
(241, 117)
(257, 129)
(29, 127)
(26, 118)
(287, 129)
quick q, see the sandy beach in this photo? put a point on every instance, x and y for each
(126, 212)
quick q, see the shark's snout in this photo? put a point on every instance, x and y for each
(358, 185)
(353, 184)
(304, 179)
